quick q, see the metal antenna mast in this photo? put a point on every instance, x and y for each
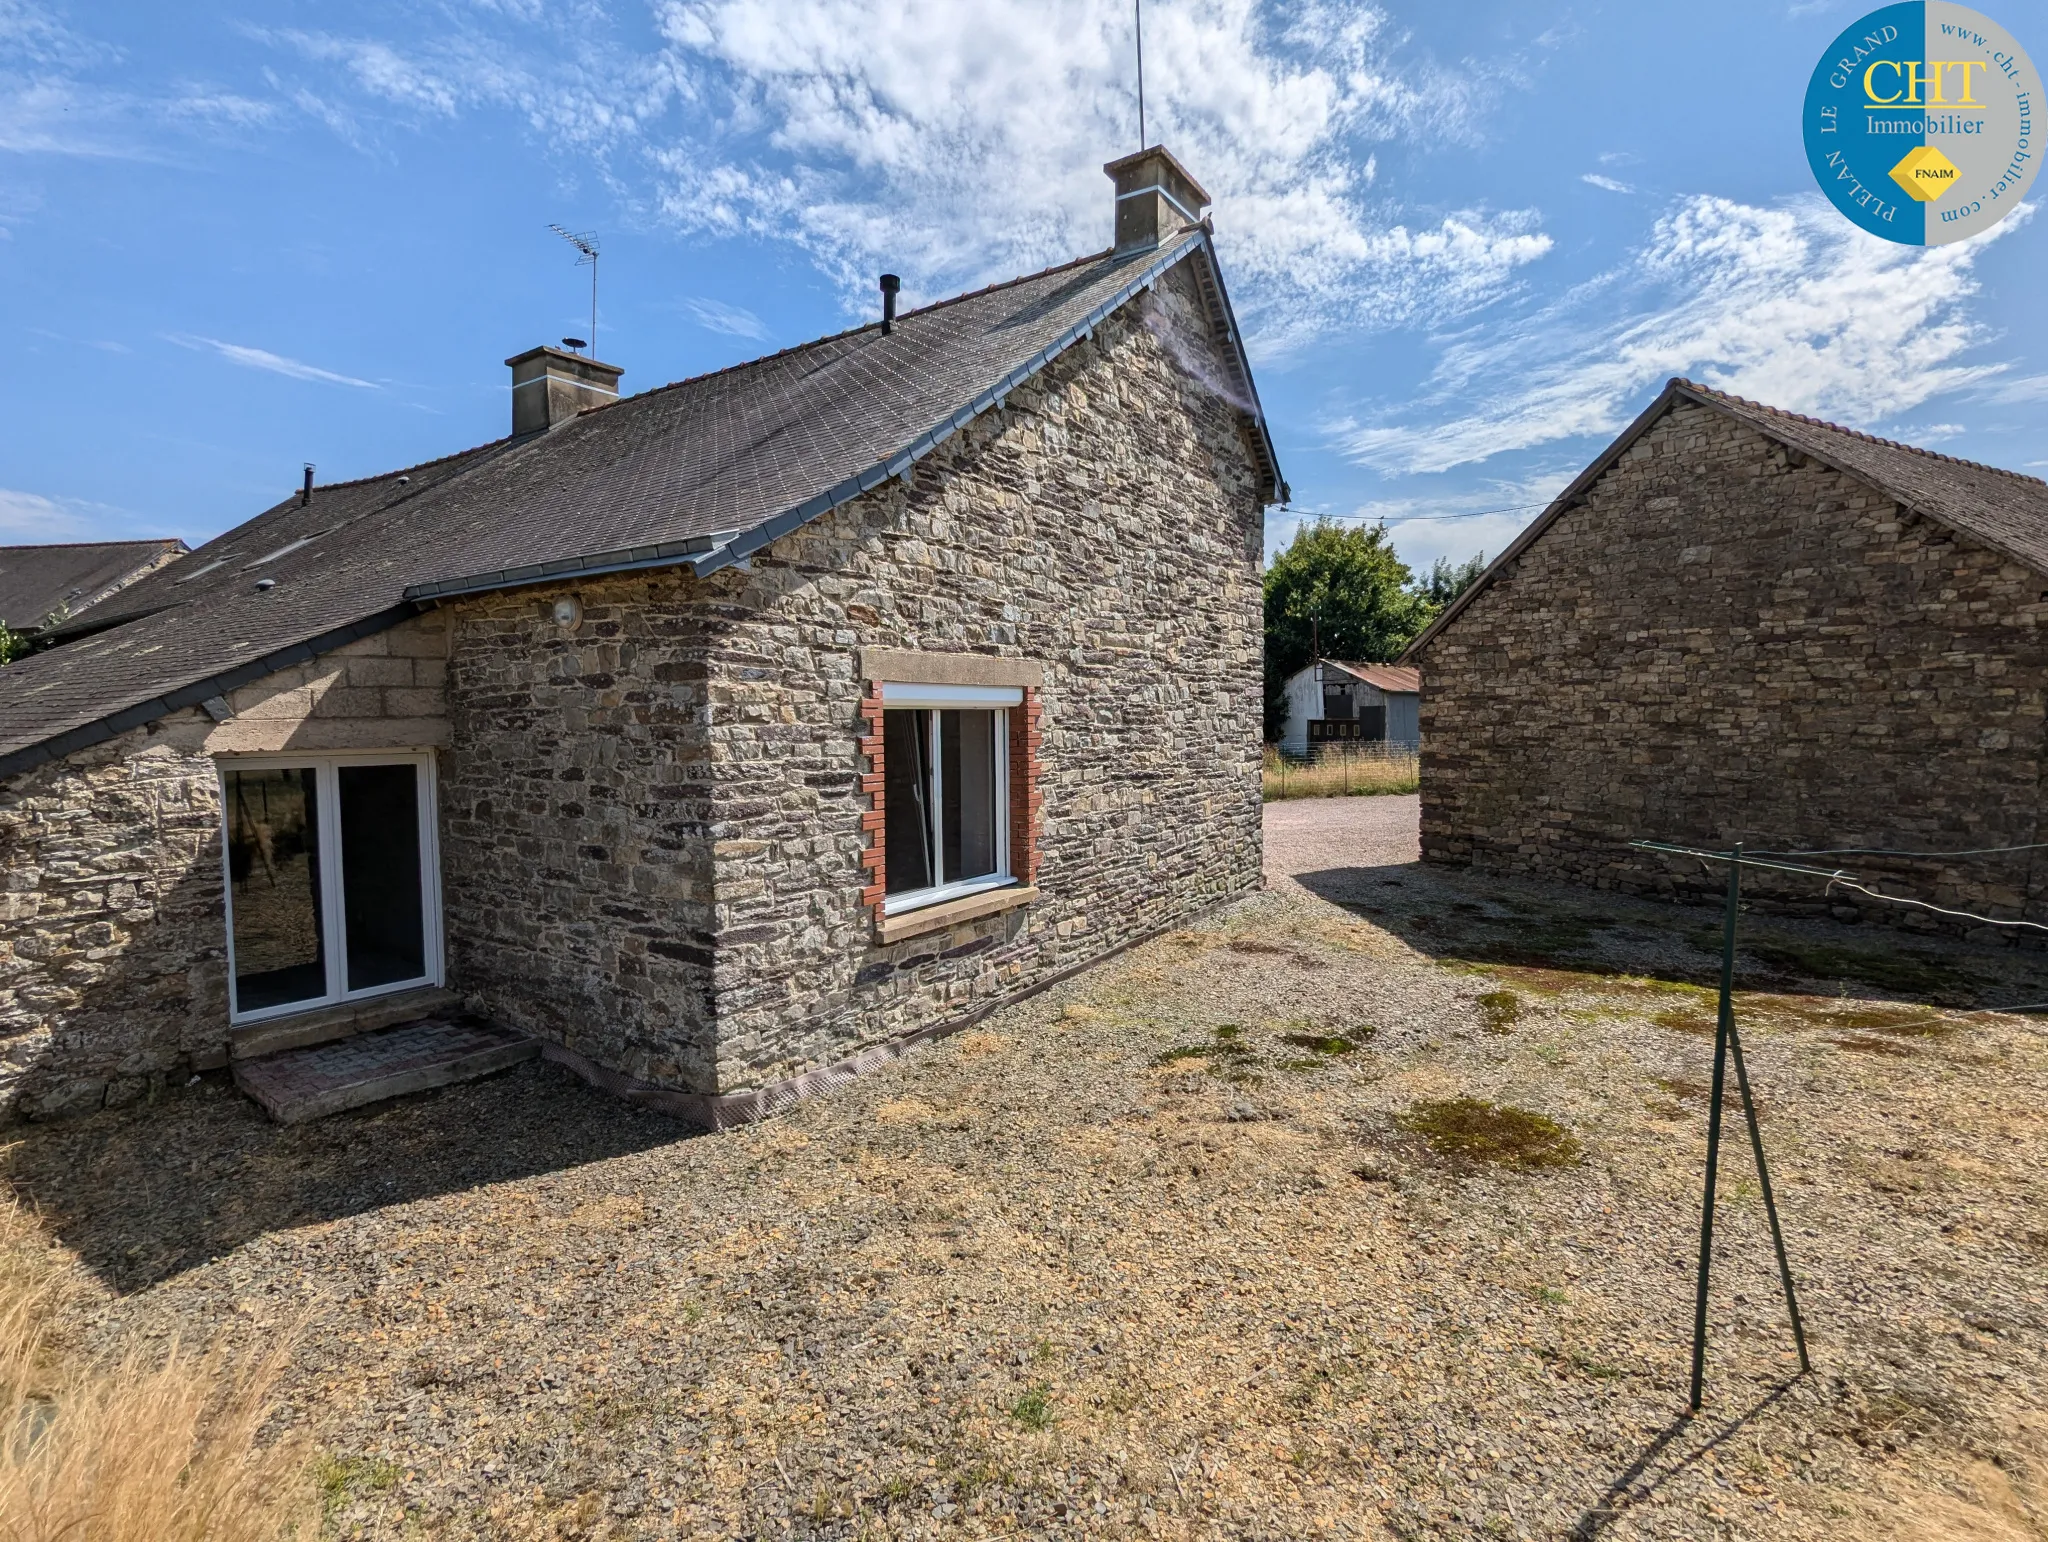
(586, 243)
(1138, 23)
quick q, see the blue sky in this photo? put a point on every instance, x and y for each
(1468, 241)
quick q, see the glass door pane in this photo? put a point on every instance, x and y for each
(967, 772)
(385, 919)
(274, 880)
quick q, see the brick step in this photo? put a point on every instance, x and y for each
(295, 1085)
(323, 1025)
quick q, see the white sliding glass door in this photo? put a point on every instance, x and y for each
(332, 888)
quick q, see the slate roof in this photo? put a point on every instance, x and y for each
(700, 473)
(1400, 679)
(2005, 510)
(36, 580)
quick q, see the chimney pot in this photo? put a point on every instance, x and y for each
(306, 487)
(891, 284)
(550, 387)
(1156, 199)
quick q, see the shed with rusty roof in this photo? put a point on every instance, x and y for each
(1351, 705)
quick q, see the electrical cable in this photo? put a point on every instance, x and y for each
(1880, 851)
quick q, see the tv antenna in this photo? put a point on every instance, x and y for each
(586, 243)
(1138, 25)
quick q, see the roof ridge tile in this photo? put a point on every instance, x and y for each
(1853, 433)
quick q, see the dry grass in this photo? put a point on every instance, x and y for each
(135, 1447)
(1338, 775)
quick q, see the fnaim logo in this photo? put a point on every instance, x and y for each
(1920, 122)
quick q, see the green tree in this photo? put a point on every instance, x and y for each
(1341, 586)
(1447, 580)
(12, 645)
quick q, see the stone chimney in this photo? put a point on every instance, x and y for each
(550, 387)
(1155, 199)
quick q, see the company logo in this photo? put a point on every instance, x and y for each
(1921, 122)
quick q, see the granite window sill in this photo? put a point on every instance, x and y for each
(937, 918)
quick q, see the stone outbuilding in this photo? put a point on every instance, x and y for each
(1350, 705)
(1744, 624)
(724, 739)
(44, 585)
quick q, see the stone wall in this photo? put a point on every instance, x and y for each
(112, 943)
(113, 948)
(1727, 642)
(574, 813)
(1106, 523)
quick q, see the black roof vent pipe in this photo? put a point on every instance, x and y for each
(890, 284)
(306, 491)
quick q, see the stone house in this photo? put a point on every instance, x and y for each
(1332, 702)
(38, 583)
(723, 739)
(1743, 624)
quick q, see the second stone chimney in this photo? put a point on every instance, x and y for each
(1155, 199)
(550, 386)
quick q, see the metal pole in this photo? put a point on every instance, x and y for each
(1138, 25)
(1722, 1030)
(1756, 1144)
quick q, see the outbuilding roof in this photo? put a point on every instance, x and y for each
(701, 474)
(1400, 679)
(2005, 510)
(37, 582)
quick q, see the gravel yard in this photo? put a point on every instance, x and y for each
(1210, 1242)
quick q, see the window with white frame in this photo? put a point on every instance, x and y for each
(946, 791)
(331, 879)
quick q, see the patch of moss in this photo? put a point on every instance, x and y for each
(1472, 1130)
(1688, 1020)
(1499, 1010)
(1320, 1043)
(1227, 1049)
(1905, 971)
(1871, 1045)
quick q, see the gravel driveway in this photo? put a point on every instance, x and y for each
(1202, 1245)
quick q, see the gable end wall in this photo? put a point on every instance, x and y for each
(1726, 642)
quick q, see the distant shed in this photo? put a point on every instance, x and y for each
(1333, 702)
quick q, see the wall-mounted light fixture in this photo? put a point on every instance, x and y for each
(568, 613)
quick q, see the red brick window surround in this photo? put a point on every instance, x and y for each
(1021, 727)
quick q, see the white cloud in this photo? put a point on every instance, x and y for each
(1791, 305)
(50, 104)
(1430, 525)
(264, 359)
(218, 109)
(962, 144)
(732, 320)
(31, 517)
(1609, 183)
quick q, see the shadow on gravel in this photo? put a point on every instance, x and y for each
(1459, 917)
(143, 1194)
(1631, 1488)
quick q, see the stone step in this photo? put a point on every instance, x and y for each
(295, 1085)
(323, 1025)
